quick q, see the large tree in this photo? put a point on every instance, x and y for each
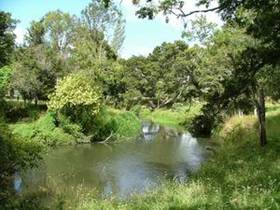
(7, 37)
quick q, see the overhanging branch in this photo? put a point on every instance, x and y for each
(183, 14)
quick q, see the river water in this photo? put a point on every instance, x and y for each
(122, 169)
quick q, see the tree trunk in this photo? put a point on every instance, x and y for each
(261, 117)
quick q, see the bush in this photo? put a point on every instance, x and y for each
(45, 130)
(77, 98)
(69, 127)
(5, 76)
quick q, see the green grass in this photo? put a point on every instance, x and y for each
(176, 117)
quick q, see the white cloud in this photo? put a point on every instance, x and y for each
(20, 33)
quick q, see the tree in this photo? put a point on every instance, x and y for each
(100, 23)
(15, 154)
(163, 78)
(171, 81)
(92, 35)
(33, 76)
(59, 29)
(225, 73)
(36, 33)
(78, 97)
(118, 36)
(200, 30)
(7, 37)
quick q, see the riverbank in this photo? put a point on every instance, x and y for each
(51, 129)
(241, 175)
(32, 122)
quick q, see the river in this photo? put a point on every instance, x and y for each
(119, 169)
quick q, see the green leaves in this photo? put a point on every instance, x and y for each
(73, 91)
(7, 37)
(5, 77)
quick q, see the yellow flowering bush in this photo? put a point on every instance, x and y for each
(75, 90)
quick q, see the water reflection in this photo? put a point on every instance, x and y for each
(120, 169)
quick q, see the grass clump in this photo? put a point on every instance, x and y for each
(127, 124)
(115, 123)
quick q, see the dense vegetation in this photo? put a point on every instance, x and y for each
(67, 84)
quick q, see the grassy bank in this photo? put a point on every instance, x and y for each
(51, 130)
(176, 117)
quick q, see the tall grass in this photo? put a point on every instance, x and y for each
(178, 116)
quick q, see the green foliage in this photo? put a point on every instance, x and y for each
(127, 125)
(200, 30)
(44, 131)
(163, 78)
(18, 111)
(116, 125)
(75, 90)
(15, 154)
(179, 116)
(36, 33)
(69, 127)
(59, 26)
(119, 35)
(77, 97)
(5, 77)
(7, 37)
(34, 75)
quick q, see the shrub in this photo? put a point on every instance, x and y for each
(117, 125)
(77, 98)
(103, 125)
(76, 90)
(69, 127)
(45, 130)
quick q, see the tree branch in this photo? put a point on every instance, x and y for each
(183, 14)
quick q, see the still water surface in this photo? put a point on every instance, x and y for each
(122, 169)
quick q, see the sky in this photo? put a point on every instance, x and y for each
(141, 36)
